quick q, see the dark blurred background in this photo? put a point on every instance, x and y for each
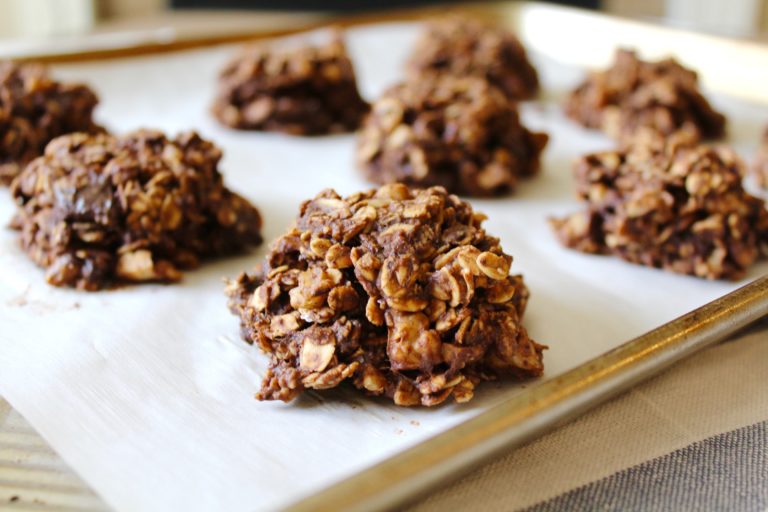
(333, 5)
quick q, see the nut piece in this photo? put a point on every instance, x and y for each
(634, 95)
(301, 89)
(670, 203)
(36, 109)
(399, 291)
(99, 209)
(139, 266)
(315, 358)
(460, 133)
(459, 47)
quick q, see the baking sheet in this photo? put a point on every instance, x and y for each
(147, 391)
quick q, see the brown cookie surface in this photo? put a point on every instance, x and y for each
(468, 47)
(301, 89)
(633, 94)
(35, 108)
(669, 203)
(459, 133)
(97, 210)
(399, 291)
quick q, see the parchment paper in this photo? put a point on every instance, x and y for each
(147, 391)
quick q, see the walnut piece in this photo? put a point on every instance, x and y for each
(461, 47)
(669, 203)
(458, 133)
(34, 109)
(302, 90)
(99, 209)
(399, 291)
(633, 94)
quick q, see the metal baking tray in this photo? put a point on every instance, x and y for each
(731, 67)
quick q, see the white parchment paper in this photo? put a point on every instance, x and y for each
(147, 391)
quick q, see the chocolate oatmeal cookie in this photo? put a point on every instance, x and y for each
(634, 94)
(458, 133)
(301, 90)
(98, 210)
(467, 47)
(34, 108)
(399, 291)
(672, 204)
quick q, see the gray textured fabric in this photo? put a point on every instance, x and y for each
(725, 472)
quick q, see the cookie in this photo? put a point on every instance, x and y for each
(669, 203)
(34, 109)
(99, 210)
(398, 291)
(459, 133)
(633, 94)
(300, 89)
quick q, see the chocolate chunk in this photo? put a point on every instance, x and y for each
(301, 90)
(458, 133)
(669, 203)
(467, 47)
(399, 291)
(96, 210)
(34, 109)
(633, 94)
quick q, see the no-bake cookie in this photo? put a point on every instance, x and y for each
(467, 47)
(458, 133)
(672, 204)
(398, 291)
(298, 88)
(99, 210)
(634, 94)
(35, 108)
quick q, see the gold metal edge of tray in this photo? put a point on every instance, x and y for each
(542, 407)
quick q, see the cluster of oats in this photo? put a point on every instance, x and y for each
(468, 47)
(633, 94)
(34, 109)
(669, 203)
(96, 210)
(398, 291)
(459, 133)
(760, 167)
(301, 90)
